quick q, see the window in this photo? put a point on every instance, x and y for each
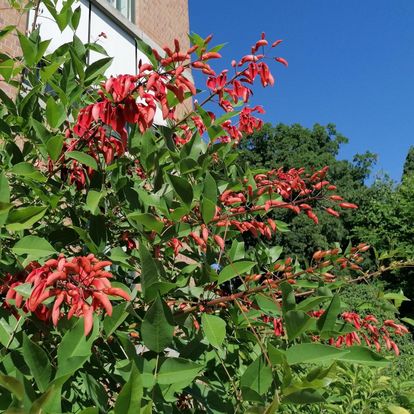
(126, 7)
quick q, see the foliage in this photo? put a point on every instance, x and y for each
(408, 168)
(122, 240)
(290, 146)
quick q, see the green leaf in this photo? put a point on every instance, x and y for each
(326, 322)
(33, 246)
(147, 50)
(96, 69)
(149, 221)
(13, 385)
(304, 396)
(393, 409)
(268, 304)
(297, 322)
(75, 348)
(313, 353)
(178, 370)
(49, 70)
(149, 271)
(208, 210)
(310, 303)
(24, 217)
(129, 399)
(25, 169)
(157, 327)
(364, 356)
(55, 113)
(276, 355)
(119, 314)
(83, 159)
(54, 147)
(6, 30)
(256, 380)
(210, 188)
(182, 188)
(118, 255)
(4, 198)
(235, 269)
(76, 18)
(29, 49)
(38, 405)
(408, 320)
(92, 201)
(38, 362)
(288, 297)
(214, 328)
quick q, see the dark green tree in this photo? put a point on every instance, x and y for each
(409, 163)
(291, 146)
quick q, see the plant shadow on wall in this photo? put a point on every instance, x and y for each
(119, 239)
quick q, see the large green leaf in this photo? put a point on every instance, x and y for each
(83, 158)
(38, 362)
(4, 198)
(55, 113)
(326, 322)
(256, 380)
(364, 356)
(182, 188)
(27, 170)
(235, 269)
(313, 353)
(208, 210)
(129, 399)
(112, 322)
(149, 271)
(13, 385)
(97, 69)
(93, 199)
(29, 49)
(297, 322)
(214, 328)
(24, 217)
(33, 246)
(178, 370)
(40, 403)
(288, 297)
(75, 348)
(210, 188)
(149, 221)
(54, 146)
(304, 396)
(157, 327)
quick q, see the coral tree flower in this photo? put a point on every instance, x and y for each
(77, 287)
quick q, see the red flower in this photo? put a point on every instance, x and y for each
(79, 287)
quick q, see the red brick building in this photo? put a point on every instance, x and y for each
(157, 22)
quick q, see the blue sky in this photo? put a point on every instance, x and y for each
(351, 62)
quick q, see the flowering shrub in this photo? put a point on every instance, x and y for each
(128, 283)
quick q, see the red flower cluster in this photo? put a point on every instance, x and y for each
(367, 328)
(351, 261)
(370, 332)
(78, 287)
(291, 190)
(134, 99)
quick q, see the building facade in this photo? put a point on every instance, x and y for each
(156, 22)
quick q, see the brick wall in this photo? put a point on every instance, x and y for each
(164, 20)
(10, 44)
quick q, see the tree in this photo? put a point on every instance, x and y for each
(408, 168)
(292, 146)
(118, 235)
